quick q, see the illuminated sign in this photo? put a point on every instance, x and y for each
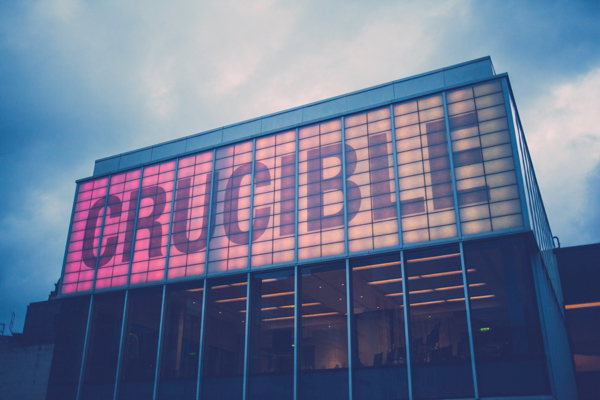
(387, 177)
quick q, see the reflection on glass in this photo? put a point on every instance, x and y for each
(223, 357)
(68, 349)
(506, 329)
(323, 348)
(271, 345)
(179, 360)
(440, 354)
(140, 344)
(380, 347)
(103, 346)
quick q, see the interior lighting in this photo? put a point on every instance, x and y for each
(433, 258)
(582, 305)
(323, 314)
(269, 295)
(231, 300)
(195, 290)
(381, 282)
(389, 264)
(277, 318)
(394, 294)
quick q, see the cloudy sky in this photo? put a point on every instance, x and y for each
(81, 80)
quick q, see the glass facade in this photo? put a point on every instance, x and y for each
(375, 255)
(420, 320)
(431, 169)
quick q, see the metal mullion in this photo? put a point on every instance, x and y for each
(469, 325)
(406, 326)
(121, 344)
(135, 221)
(159, 348)
(212, 196)
(97, 263)
(251, 207)
(62, 275)
(296, 326)
(84, 352)
(514, 120)
(396, 177)
(451, 160)
(166, 278)
(343, 148)
(296, 177)
(246, 331)
(349, 326)
(201, 342)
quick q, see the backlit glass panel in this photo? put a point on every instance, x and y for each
(82, 249)
(273, 225)
(370, 187)
(187, 254)
(488, 196)
(118, 230)
(231, 208)
(425, 178)
(151, 237)
(320, 191)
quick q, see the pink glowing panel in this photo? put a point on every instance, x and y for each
(273, 224)
(190, 218)
(153, 218)
(231, 208)
(425, 180)
(320, 191)
(370, 187)
(117, 236)
(82, 248)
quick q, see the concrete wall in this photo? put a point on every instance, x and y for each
(24, 369)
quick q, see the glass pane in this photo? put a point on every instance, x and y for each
(223, 359)
(440, 354)
(380, 346)
(507, 336)
(273, 223)
(271, 349)
(425, 181)
(103, 347)
(81, 258)
(68, 349)
(152, 229)
(179, 360)
(324, 337)
(189, 229)
(140, 344)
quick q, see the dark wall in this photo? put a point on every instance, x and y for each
(579, 269)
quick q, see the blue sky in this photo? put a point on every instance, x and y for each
(81, 80)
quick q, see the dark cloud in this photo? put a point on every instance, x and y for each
(84, 80)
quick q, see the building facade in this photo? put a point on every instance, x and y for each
(385, 244)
